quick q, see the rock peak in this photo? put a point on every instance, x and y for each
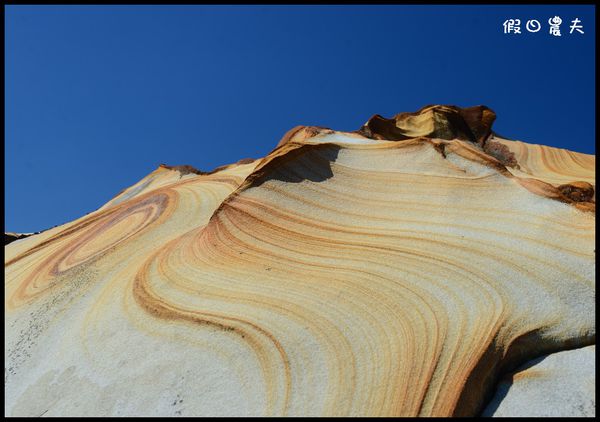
(472, 124)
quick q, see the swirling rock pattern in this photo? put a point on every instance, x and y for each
(398, 270)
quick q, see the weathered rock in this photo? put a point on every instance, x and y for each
(10, 237)
(338, 275)
(560, 384)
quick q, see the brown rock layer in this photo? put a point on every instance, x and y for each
(472, 124)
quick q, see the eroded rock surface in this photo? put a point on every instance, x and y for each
(10, 237)
(398, 270)
(560, 384)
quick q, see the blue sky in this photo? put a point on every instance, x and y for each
(96, 97)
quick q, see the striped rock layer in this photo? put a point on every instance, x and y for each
(401, 269)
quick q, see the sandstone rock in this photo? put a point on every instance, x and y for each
(10, 237)
(559, 384)
(342, 274)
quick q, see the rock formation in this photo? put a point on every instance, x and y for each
(10, 237)
(558, 385)
(402, 269)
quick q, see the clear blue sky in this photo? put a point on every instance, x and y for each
(98, 96)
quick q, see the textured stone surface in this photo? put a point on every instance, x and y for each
(560, 384)
(10, 237)
(342, 274)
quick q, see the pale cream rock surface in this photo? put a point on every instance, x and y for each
(555, 385)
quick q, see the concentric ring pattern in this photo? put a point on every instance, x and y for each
(343, 274)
